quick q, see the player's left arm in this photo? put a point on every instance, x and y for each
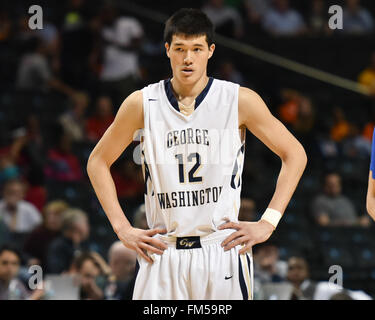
(256, 117)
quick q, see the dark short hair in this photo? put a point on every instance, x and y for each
(190, 22)
(10, 248)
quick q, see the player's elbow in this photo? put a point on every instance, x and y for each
(94, 163)
(296, 156)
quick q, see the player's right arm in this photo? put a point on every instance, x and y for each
(115, 140)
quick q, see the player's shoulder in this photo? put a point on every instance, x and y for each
(246, 94)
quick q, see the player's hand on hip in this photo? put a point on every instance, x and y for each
(248, 234)
(142, 241)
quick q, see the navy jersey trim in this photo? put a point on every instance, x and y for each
(172, 99)
(242, 280)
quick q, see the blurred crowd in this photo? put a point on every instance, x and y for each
(67, 82)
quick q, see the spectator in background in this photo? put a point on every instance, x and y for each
(247, 210)
(91, 271)
(332, 208)
(27, 148)
(20, 216)
(281, 20)
(288, 110)
(8, 168)
(226, 20)
(367, 79)
(74, 121)
(122, 262)
(306, 289)
(101, 120)
(267, 266)
(36, 193)
(318, 17)
(122, 38)
(62, 163)
(341, 127)
(256, 9)
(128, 180)
(37, 243)
(35, 74)
(4, 232)
(356, 19)
(61, 252)
(140, 218)
(227, 71)
(355, 145)
(11, 288)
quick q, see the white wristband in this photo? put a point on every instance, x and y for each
(272, 216)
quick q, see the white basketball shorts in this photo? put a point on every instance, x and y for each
(194, 268)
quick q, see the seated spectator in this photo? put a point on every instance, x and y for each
(332, 208)
(36, 193)
(356, 19)
(355, 145)
(34, 72)
(61, 252)
(8, 168)
(341, 127)
(20, 216)
(226, 20)
(91, 271)
(227, 71)
(62, 163)
(247, 210)
(4, 232)
(74, 121)
(256, 9)
(367, 77)
(281, 20)
(140, 219)
(128, 180)
(289, 109)
(37, 243)
(11, 288)
(306, 289)
(99, 123)
(267, 266)
(318, 17)
(122, 262)
(28, 149)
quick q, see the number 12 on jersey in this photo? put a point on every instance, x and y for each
(181, 167)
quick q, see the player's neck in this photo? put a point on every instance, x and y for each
(183, 91)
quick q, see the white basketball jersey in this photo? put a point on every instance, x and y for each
(192, 165)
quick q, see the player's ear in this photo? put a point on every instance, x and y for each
(211, 50)
(167, 47)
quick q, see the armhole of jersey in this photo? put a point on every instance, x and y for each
(242, 131)
(145, 108)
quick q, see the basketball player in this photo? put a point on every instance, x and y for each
(193, 155)
(370, 200)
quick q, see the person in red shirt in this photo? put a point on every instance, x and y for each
(101, 120)
(62, 164)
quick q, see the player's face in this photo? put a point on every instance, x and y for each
(189, 56)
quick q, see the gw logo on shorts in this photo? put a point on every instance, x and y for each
(188, 243)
